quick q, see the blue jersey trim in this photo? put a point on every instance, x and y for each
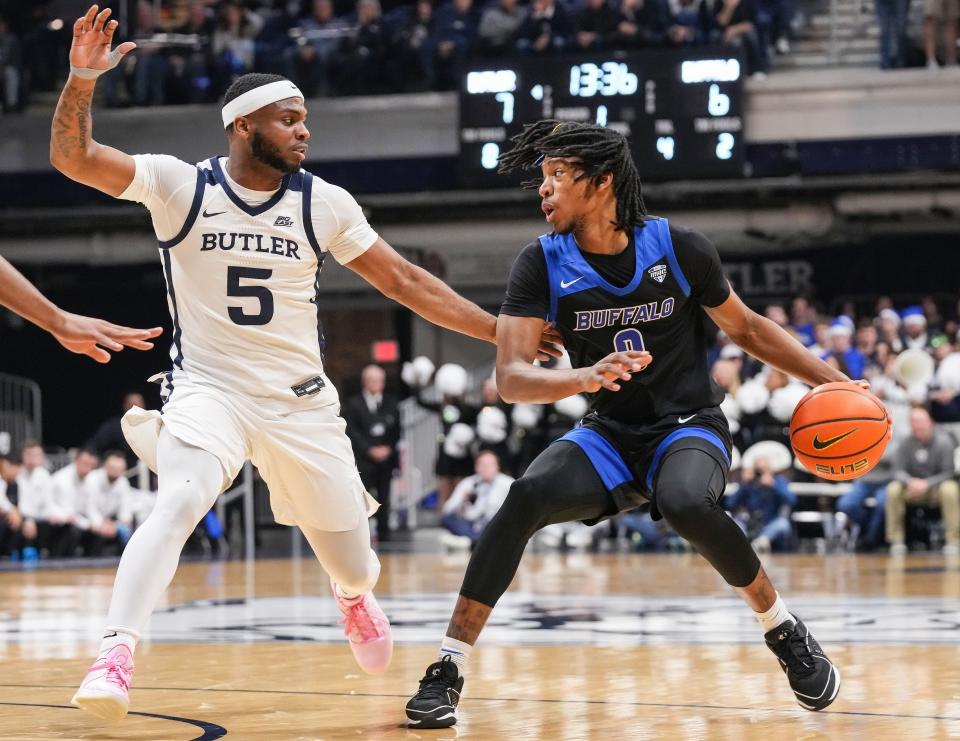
(168, 273)
(667, 242)
(607, 462)
(670, 439)
(238, 201)
(191, 214)
(306, 182)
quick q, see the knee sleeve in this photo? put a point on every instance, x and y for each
(689, 492)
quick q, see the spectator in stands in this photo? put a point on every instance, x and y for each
(373, 425)
(802, 318)
(914, 328)
(778, 315)
(931, 313)
(474, 502)
(190, 65)
(363, 51)
(776, 25)
(412, 49)
(10, 66)
(689, 22)
(944, 12)
(546, 29)
(848, 358)
(866, 524)
(595, 26)
(735, 24)
(641, 24)
(233, 42)
(645, 533)
(273, 41)
(150, 68)
(11, 522)
(889, 329)
(923, 473)
(312, 61)
(762, 507)
(867, 343)
(892, 19)
(454, 30)
(33, 488)
(109, 504)
(66, 511)
(887, 387)
(109, 435)
(498, 27)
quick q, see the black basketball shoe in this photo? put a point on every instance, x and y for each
(435, 704)
(814, 680)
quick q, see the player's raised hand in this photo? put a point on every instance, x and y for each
(87, 336)
(617, 366)
(92, 38)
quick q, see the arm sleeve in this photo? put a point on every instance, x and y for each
(351, 235)
(165, 185)
(700, 263)
(528, 288)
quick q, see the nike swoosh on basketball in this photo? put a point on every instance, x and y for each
(565, 284)
(215, 213)
(819, 444)
(681, 420)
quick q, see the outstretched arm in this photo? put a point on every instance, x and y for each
(72, 148)
(383, 268)
(79, 334)
(770, 343)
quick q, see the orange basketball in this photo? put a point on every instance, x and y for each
(839, 431)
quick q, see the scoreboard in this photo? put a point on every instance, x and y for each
(681, 109)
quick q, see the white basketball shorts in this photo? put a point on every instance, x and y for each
(301, 450)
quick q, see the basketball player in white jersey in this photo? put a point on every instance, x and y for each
(242, 239)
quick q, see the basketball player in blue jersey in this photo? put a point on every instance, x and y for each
(628, 293)
(83, 335)
(242, 239)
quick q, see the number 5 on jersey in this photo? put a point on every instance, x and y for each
(261, 293)
(628, 339)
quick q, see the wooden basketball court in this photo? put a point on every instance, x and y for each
(585, 646)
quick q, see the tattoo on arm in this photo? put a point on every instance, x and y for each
(70, 133)
(468, 620)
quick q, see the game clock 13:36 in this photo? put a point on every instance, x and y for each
(680, 109)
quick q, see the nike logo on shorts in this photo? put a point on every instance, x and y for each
(681, 420)
(565, 284)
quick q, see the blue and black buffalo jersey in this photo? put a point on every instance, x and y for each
(647, 297)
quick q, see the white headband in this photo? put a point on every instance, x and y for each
(257, 98)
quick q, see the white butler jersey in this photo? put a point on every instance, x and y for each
(241, 268)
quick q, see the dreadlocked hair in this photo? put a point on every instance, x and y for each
(596, 151)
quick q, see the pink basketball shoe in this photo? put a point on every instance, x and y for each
(104, 691)
(368, 629)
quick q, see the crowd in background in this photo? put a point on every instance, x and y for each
(192, 50)
(910, 356)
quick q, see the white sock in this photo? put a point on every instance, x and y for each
(775, 616)
(113, 636)
(458, 651)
